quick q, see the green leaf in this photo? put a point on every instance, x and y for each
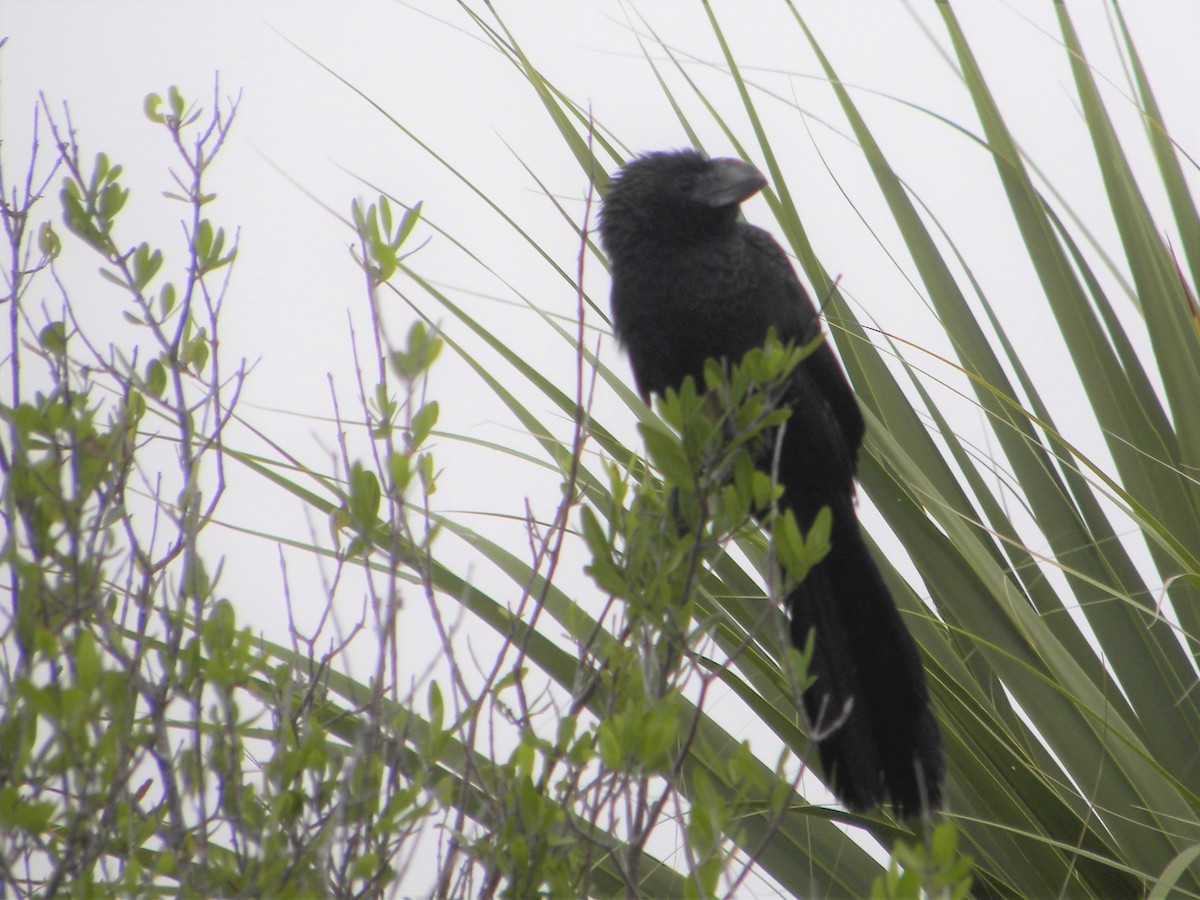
(365, 497)
(400, 470)
(365, 866)
(593, 533)
(166, 299)
(150, 107)
(436, 706)
(666, 454)
(86, 660)
(411, 217)
(156, 378)
(422, 424)
(146, 264)
(49, 244)
(53, 338)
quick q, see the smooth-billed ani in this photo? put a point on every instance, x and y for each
(692, 281)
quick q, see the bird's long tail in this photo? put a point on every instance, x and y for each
(869, 706)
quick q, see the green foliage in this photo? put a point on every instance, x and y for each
(710, 451)
(935, 869)
(381, 239)
(135, 699)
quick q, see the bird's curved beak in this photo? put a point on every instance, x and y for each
(729, 181)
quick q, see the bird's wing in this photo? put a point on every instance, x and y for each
(797, 320)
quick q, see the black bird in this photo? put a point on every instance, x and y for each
(692, 281)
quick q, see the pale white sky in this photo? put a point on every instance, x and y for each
(295, 288)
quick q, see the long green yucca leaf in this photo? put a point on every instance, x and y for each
(1100, 374)
(1021, 859)
(1174, 873)
(953, 311)
(1114, 628)
(1005, 606)
(1164, 302)
(1187, 220)
(1115, 622)
(1166, 307)
(795, 230)
(968, 337)
(1039, 592)
(1079, 787)
(1148, 420)
(1174, 491)
(940, 279)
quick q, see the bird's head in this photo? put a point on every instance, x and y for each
(674, 197)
